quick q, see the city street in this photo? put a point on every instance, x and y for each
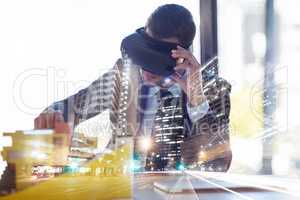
(77, 188)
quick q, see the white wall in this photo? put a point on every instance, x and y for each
(50, 49)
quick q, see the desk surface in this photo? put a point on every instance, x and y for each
(188, 186)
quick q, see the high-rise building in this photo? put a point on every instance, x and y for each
(123, 113)
(207, 146)
(168, 134)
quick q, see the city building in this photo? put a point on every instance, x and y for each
(168, 134)
(210, 141)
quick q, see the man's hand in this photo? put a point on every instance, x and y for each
(52, 120)
(192, 86)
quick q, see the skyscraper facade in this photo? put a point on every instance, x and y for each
(168, 134)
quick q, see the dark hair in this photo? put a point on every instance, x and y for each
(172, 20)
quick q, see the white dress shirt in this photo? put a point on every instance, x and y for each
(195, 113)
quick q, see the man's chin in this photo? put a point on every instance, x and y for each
(149, 83)
(157, 84)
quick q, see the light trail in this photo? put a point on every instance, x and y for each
(228, 178)
(219, 186)
(195, 195)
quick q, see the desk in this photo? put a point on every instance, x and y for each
(188, 186)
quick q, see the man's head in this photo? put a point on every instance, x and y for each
(170, 23)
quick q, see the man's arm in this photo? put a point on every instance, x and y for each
(197, 105)
(81, 106)
(197, 112)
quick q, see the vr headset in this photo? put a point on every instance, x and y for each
(150, 54)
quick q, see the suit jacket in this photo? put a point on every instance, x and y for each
(207, 142)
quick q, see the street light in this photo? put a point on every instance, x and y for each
(145, 143)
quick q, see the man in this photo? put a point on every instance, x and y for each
(169, 24)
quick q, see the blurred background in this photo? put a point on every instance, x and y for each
(51, 49)
(258, 49)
